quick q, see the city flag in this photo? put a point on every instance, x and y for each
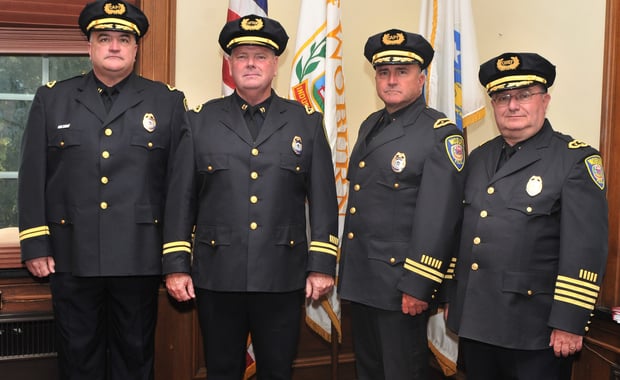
(238, 9)
(452, 78)
(317, 80)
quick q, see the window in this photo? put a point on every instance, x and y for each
(20, 76)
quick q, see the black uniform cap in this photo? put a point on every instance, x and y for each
(115, 15)
(397, 47)
(253, 30)
(515, 70)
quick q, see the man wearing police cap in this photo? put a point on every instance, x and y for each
(406, 179)
(95, 158)
(251, 163)
(534, 240)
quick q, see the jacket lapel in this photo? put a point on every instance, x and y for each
(87, 95)
(233, 119)
(131, 94)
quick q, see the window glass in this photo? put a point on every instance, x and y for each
(20, 76)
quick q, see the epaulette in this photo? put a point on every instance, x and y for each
(198, 108)
(576, 144)
(309, 109)
(443, 122)
(51, 84)
(171, 88)
(185, 104)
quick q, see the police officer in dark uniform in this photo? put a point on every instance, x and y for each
(404, 211)
(534, 238)
(251, 163)
(92, 182)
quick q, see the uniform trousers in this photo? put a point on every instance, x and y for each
(488, 362)
(105, 326)
(389, 345)
(272, 320)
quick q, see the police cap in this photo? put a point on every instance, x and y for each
(515, 70)
(397, 47)
(114, 15)
(253, 30)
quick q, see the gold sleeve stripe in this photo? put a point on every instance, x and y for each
(431, 261)
(177, 246)
(574, 302)
(567, 293)
(329, 248)
(575, 289)
(34, 232)
(580, 283)
(333, 239)
(423, 270)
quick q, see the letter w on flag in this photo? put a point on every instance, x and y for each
(317, 80)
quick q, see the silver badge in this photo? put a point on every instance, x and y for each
(148, 122)
(534, 186)
(399, 162)
(297, 145)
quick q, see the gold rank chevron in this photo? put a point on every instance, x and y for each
(329, 248)
(34, 232)
(426, 269)
(177, 246)
(576, 292)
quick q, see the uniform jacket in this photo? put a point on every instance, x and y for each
(534, 242)
(247, 200)
(404, 210)
(91, 185)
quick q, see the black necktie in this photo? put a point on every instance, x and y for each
(507, 152)
(108, 95)
(254, 117)
(383, 122)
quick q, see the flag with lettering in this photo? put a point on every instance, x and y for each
(452, 85)
(317, 80)
(238, 9)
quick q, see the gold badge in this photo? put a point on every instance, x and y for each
(508, 64)
(534, 186)
(297, 145)
(114, 9)
(393, 39)
(148, 122)
(252, 24)
(399, 162)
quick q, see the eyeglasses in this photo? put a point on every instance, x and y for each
(522, 97)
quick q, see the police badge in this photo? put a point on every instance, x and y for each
(297, 145)
(534, 186)
(399, 162)
(148, 122)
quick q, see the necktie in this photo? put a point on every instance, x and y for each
(108, 94)
(507, 152)
(383, 122)
(254, 119)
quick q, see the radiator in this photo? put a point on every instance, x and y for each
(27, 336)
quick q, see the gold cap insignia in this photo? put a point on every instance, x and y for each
(508, 64)
(393, 39)
(252, 24)
(114, 9)
(534, 186)
(399, 162)
(148, 122)
(297, 145)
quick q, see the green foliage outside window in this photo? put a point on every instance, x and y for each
(20, 76)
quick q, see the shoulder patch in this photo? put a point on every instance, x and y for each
(443, 122)
(198, 108)
(309, 109)
(51, 84)
(576, 144)
(594, 164)
(171, 88)
(455, 148)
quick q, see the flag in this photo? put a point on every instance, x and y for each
(452, 78)
(317, 80)
(238, 9)
(451, 87)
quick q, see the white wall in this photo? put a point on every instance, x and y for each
(563, 31)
